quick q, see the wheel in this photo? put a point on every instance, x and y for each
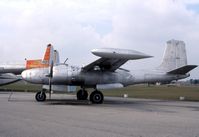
(82, 95)
(40, 96)
(97, 97)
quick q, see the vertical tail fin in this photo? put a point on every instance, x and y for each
(48, 56)
(174, 56)
(56, 59)
(42, 63)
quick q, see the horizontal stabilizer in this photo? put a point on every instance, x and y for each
(182, 70)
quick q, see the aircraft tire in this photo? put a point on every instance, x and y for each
(40, 96)
(97, 97)
(82, 95)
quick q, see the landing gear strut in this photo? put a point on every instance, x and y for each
(82, 94)
(40, 96)
(96, 97)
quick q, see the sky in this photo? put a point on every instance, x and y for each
(74, 27)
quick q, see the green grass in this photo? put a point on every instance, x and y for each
(191, 93)
(21, 86)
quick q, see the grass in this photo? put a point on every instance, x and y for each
(191, 93)
(21, 86)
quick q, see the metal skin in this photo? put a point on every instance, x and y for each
(9, 73)
(12, 68)
(106, 73)
(8, 78)
(70, 75)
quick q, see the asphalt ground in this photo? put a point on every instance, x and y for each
(63, 116)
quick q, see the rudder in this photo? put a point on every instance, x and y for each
(56, 59)
(174, 56)
(49, 55)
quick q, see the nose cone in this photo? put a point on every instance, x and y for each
(36, 76)
(26, 75)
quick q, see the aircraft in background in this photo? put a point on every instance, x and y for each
(105, 73)
(9, 72)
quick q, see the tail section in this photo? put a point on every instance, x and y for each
(56, 59)
(175, 58)
(182, 70)
(39, 63)
(48, 56)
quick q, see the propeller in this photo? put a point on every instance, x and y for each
(52, 60)
(50, 78)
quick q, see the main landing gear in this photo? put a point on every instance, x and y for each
(96, 97)
(82, 94)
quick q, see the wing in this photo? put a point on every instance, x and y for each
(8, 78)
(112, 59)
(105, 64)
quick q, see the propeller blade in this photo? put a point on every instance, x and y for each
(50, 78)
(50, 88)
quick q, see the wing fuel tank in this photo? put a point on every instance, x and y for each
(119, 53)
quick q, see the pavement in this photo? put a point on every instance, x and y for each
(63, 116)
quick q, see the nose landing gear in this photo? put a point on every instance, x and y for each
(40, 96)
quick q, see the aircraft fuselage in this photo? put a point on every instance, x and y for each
(70, 75)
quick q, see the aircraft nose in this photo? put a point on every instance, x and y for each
(36, 76)
(25, 74)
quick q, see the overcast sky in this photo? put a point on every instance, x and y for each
(75, 27)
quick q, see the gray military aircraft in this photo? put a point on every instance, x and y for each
(106, 73)
(9, 71)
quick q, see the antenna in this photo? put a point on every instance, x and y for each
(65, 61)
